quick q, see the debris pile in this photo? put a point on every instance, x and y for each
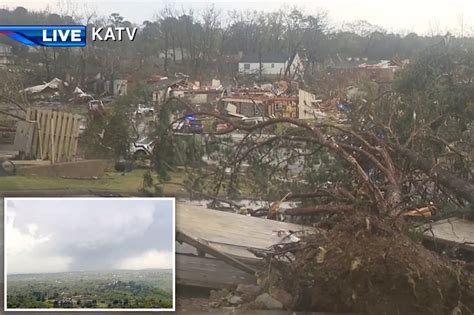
(250, 297)
(365, 265)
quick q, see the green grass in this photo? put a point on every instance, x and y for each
(129, 182)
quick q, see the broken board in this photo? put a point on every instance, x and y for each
(453, 231)
(24, 136)
(233, 233)
(209, 273)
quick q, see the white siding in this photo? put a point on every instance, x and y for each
(4, 60)
(119, 87)
(305, 105)
(278, 67)
(297, 67)
(198, 98)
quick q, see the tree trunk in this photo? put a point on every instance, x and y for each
(166, 52)
(459, 187)
(320, 209)
(174, 48)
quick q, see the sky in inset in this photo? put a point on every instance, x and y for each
(58, 235)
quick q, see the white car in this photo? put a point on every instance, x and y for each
(142, 149)
(144, 110)
(254, 120)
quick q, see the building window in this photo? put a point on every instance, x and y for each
(272, 65)
(246, 66)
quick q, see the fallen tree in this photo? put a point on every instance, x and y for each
(399, 150)
(365, 266)
(402, 150)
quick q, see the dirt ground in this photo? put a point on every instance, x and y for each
(364, 265)
(201, 305)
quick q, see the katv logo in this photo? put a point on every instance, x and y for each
(65, 35)
(115, 34)
(47, 35)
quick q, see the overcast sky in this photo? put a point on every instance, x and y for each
(422, 16)
(78, 234)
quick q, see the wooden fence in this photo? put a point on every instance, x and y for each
(56, 135)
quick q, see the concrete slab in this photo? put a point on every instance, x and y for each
(76, 169)
(455, 231)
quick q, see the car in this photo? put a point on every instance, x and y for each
(144, 110)
(142, 149)
(254, 120)
(194, 126)
(188, 125)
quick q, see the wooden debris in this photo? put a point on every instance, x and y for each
(208, 249)
(320, 209)
(209, 273)
(425, 212)
(275, 207)
(57, 135)
(226, 239)
(234, 234)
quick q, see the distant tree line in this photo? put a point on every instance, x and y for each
(203, 43)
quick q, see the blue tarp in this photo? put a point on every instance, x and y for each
(343, 107)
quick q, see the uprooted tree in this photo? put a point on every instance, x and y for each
(404, 149)
(400, 150)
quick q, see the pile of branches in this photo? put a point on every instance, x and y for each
(385, 177)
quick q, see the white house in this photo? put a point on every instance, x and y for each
(6, 56)
(176, 54)
(273, 63)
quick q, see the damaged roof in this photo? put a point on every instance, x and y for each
(166, 82)
(54, 84)
(351, 63)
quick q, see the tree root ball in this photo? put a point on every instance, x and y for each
(364, 265)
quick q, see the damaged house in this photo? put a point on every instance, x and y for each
(272, 64)
(265, 102)
(198, 96)
(161, 87)
(49, 91)
(116, 87)
(56, 90)
(355, 69)
(268, 106)
(194, 93)
(6, 55)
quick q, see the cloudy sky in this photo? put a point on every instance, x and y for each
(44, 235)
(422, 16)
